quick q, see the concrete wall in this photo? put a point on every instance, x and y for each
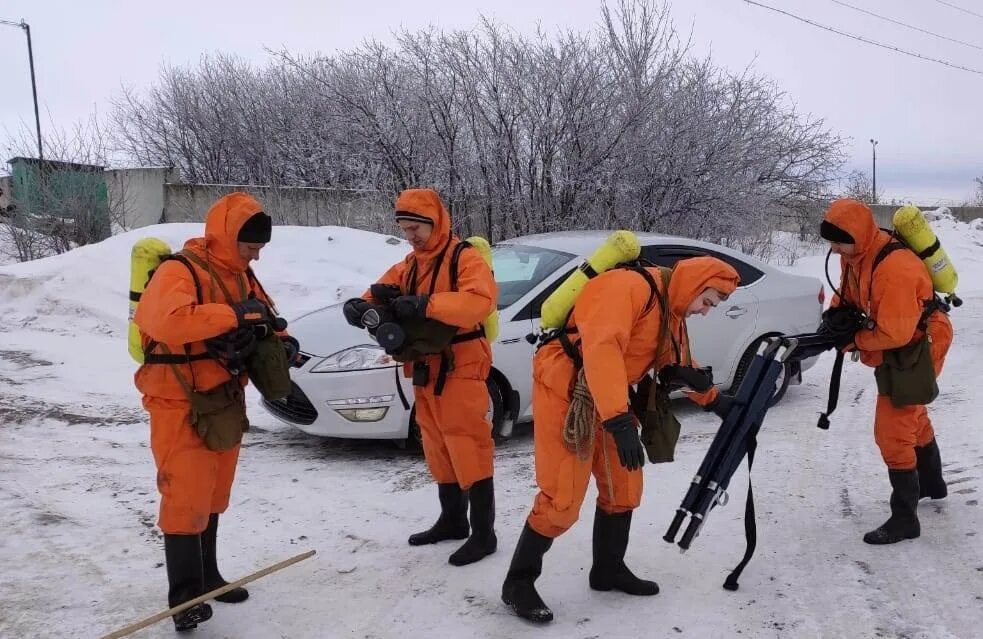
(885, 212)
(304, 206)
(136, 196)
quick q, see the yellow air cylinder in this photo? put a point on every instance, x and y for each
(620, 246)
(145, 256)
(911, 225)
(490, 323)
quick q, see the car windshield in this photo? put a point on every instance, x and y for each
(519, 268)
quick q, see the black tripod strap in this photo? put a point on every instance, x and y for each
(834, 391)
(750, 526)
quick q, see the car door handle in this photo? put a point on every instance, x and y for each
(736, 311)
(510, 341)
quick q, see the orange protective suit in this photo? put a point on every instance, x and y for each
(193, 481)
(457, 440)
(893, 296)
(620, 342)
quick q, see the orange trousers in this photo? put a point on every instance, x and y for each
(563, 477)
(457, 437)
(898, 430)
(193, 481)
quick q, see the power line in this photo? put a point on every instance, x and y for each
(908, 26)
(949, 4)
(868, 41)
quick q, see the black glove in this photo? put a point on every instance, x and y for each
(385, 293)
(354, 309)
(677, 376)
(252, 312)
(631, 453)
(410, 306)
(232, 348)
(843, 320)
(292, 347)
(720, 406)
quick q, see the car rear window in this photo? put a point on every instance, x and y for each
(668, 255)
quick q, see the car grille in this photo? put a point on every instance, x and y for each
(295, 408)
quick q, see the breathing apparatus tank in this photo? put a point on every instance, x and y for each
(620, 246)
(490, 323)
(910, 224)
(145, 257)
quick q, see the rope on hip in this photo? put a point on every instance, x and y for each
(578, 425)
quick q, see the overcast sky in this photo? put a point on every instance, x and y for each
(925, 116)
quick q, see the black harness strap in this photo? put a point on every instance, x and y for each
(445, 364)
(160, 358)
(571, 348)
(750, 526)
(834, 390)
(478, 333)
(149, 357)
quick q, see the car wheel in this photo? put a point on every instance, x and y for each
(495, 415)
(781, 385)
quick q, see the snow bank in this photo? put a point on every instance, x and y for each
(79, 300)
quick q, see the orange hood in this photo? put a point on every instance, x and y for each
(856, 218)
(691, 276)
(223, 222)
(425, 203)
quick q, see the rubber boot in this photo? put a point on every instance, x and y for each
(185, 579)
(609, 571)
(519, 589)
(903, 523)
(483, 541)
(453, 520)
(209, 561)
(930, 478)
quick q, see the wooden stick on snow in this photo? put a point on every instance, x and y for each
(123, 632)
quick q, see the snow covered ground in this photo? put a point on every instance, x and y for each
(80, 554)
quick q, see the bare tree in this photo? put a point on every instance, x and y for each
(979, 191)
(859, 187)
(66, 202)
(619, 126)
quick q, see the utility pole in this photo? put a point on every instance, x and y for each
(34, 89)
(873, 195)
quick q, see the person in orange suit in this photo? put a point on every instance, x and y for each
(898, 297)
(619, 336)
(451, 399)
(180, 333)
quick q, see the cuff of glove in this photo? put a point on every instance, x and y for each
(619, 423)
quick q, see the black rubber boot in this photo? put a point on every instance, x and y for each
(185, 579)
(519, 589)
(483, 541)
(903, 523)
(609, 571)
(930, 471)
(209, 561)
(453, 520)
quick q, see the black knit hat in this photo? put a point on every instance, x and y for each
(832, 233)
(257, 230)
(410, 216)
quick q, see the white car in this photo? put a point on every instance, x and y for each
(346, 385)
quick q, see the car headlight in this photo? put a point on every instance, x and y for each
(356, 358)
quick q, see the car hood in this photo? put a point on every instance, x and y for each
(324, 332)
